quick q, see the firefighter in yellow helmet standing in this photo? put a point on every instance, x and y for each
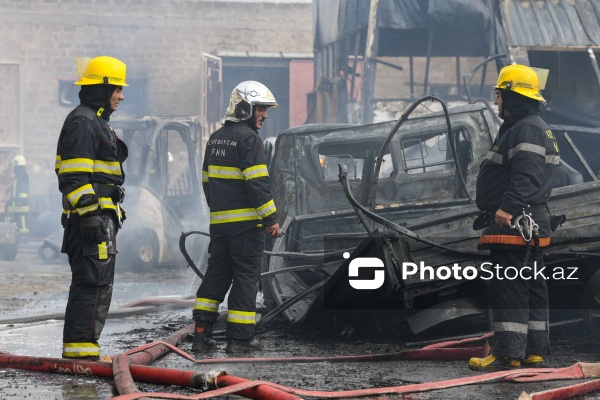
(513, 186)
(89, 158)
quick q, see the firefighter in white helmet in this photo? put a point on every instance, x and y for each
(89, 158)
(513, 186)
(236, 185)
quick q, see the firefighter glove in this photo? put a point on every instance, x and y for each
(92, 227)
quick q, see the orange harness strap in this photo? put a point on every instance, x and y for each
(512, 240)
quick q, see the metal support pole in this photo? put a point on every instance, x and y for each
(370, 65)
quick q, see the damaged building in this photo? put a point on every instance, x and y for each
(171, 49)
(373, 58)
(404, 189)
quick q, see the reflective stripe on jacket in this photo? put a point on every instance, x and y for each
(518, 174)
(236, 181)
(19, 197)
(88, 152)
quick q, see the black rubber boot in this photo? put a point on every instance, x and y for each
(203, 339)
(241, 346)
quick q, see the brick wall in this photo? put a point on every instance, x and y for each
(159, 40)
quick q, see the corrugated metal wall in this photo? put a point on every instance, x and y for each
(551, 23)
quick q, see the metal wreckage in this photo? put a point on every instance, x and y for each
(403, 192)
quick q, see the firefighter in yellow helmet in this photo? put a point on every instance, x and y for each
(89, 158)
(236, 184)
(17, 208)
(513, 186)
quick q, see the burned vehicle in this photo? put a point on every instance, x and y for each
(162, 192)
(402, 192)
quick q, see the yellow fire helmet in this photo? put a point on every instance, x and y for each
(524, 80)
(244, 97)
(98, 70)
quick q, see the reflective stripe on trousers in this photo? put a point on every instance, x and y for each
(520, 310)
(236, 259)
(90, 294)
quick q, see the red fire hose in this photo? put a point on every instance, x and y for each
(540, 373)
(126, 369)
(563, 392)
(271, 391)
(147, 353)
(576, 371)
(250, 389)
(451, 350)
(151, 353)
(140, 373)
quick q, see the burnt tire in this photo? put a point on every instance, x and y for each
(590, 305)
(140, 253)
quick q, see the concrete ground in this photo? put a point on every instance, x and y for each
(30, 289)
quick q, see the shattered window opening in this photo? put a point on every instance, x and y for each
(330, 163)
(353, 157)
(427, 153)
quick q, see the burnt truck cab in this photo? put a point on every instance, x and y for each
(426, 188)
(417, 178)
(417, 168)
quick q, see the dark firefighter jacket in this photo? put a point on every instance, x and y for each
(236, 181)
(19, 196)
(518, 173)
(88, 161)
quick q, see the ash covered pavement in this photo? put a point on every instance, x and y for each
(32, 289)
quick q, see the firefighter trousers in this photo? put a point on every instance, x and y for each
(234, 261)
(22, 221)
(90, 294)
(519, 306)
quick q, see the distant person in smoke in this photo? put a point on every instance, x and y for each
(236, 184)
(17, 208)
(89, 158)
(513, 186)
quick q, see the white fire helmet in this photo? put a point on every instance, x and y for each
(244, 97)
(19, 160)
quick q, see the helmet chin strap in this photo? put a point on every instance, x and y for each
(252, 119)
(502, 112)
(251, 122)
